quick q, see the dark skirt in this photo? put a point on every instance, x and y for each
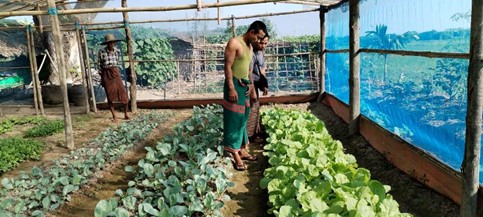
(253, 124)
(112, 83)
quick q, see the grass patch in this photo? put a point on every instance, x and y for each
(15, 150)
(46, 128)
(6, 125)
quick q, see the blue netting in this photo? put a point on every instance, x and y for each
(423, 100)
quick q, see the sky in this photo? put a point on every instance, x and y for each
(287, 25)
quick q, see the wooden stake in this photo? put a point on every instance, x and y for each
(219, 12)
(38, 88)
(322, 54)
(89, 72)
(233, 27)
(354, 59)
(471, 161)
(54, 20)
(32, 72)
(133, 90)
(83, 70)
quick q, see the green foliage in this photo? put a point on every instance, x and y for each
(222, 35)
(46, 128)
(154, 74)
(185, 175)
(44, 190)
(7, 124)
(16, 150)
(148, 44)
(310, 175)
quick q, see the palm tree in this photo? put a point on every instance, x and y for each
(381, 40)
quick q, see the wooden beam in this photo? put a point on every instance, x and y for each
(189, 103)
(354, 59)
(83, 70)
(471, 161)
(32, 72)
(322, 12)
(132, 74)
(137, 9)
(61, 66)
(89, 72)
(418, 53)
(38, 88)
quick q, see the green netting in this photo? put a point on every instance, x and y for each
(9, 82)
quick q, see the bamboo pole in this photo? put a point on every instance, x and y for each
(132, 74)
(177, 72)
(32, 72)
(354, 59)
(39, 18)
(89, 72)
(218, 12)
(137, 9)
(14, 67)
(322, 53)
(54, 20)
(83, 70)
(418, 53)
(38, 88)
(233, 26)
(199, 5)
(471, 162)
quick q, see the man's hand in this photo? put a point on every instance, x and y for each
(232, 95)
(253, 96)
(250, 89)
(265, 91)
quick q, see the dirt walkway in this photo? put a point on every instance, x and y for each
(85, 200)
(247, 198)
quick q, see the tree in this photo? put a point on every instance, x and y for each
(381, 40)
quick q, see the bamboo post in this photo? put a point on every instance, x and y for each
(90, 84)
(32, 72)
(177, 71)
(54, 20)
(199, 5)
(471, 162)
(218, 11)
(322, 53)
(40, 27)
(83, 68)
(132, 88)
(233, 26)
(38, 88)
(354, 59)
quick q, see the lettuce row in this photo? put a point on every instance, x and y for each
(310, 175)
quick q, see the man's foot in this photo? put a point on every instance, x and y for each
(244, 155)
(240, 167)
(114, 120)
(126, 117)
(238, 162)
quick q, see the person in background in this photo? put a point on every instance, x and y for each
(110, 76)
(237, 93)
(259, 78)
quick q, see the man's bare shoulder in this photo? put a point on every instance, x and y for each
(233, 43)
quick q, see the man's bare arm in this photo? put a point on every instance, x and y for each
(230, 54)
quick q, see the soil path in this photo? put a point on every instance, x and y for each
(114, 177)
(247, 198)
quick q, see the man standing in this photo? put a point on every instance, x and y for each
(260, 83)
(110, 76)
(237, 92)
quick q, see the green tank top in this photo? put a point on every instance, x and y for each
(241, 65)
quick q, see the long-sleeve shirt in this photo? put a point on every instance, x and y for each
(258, 63)
(107, 58)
